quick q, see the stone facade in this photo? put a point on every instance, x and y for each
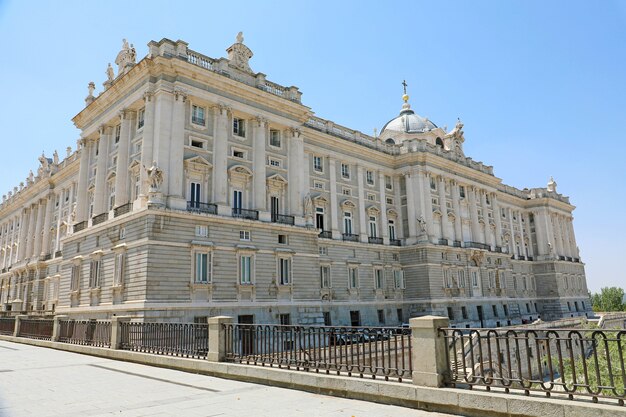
(199, 188)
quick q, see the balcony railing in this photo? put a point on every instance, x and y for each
(123, 209)
(45, 257)
(188, 340)
(350, 237)
(561, 258)
(326, 234)
(456, 243)
(80, 226)
(58, 254)
(246, 214)
(283, 218)
(477, 245)
(375, 240)
(197, 207)
(442, 242)
(85, 332)
(100, 218)
(395, 242)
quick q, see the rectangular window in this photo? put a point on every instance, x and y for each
(450, 313)
(239, 154)
(317, 164)
(378, 279)
(194, 194)
(202, 273)
(495, 310)
(389, 200)
(381, 316)
(373, 226)
(353, 278)
(433, 184)
(461, 278)
(464, 312)
(345, 171)
(120, 261)
(237, 199)
(198, 115)
(323, 250)
(400, 315)
(318, 185)
(284, 271)
(111, 195)
(141, 115)
(347, 223)
(239, 127)
(75, 278)
(202, 231)
(327, 321)
(244, 235)
(346, 191)
(245, 270)
(506, 310)
(388, 182)
(461, 191)
(94, 274)
(398, 278)
(355, 318)
(392, 230)
(371, 197)
(275, 162)
(369, 177)
(282, 240)
(118, 133)
(285, 319)
(275, 138)
(325, 276)
(200, 144)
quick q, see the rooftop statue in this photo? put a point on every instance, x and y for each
(239, 54)
(125, 58)
(110, 73)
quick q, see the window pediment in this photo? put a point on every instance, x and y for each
(198, 163)
(348, 204)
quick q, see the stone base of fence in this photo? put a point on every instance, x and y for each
(445, 400)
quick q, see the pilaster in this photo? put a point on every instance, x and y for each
(334, 207)
(123, 150)
(220, 155)
(362, 215)
(383, 208)
(175, 177)
(258, 164)
(100, 192)
(83, 180)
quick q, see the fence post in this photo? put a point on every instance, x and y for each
(56, 327)
(217, 338)
(18, 324)
(116, 331)
(429, 350)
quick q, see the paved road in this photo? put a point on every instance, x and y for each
(45, 382)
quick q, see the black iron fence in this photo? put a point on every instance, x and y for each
(571, 362)
(383, 352)
(188, 340)
(85, 332)
(7, 325)
(197, 207)
(36, 328)
(245, 213)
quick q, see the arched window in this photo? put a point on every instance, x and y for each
(439, 142)
(390, 141)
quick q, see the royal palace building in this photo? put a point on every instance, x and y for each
(200, 188)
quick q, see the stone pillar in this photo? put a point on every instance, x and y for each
(83, 181)
(428, 206)
(570, 225)
(485, 208)
(363, 232)
(334, 207)
(259, 187)
(456, 205)
(220, 156)
(445, 222)
(217, 337)
(30, 233)
(473, 209)
(21, 249)
(147, 144)
(116, 331)
(18, 323)
(47, 224)
(41, 209)
(531, 251)
(384, 229)
(521, 232)
(295, 167)
(554, 218)
(100, 192)
(429, 351)
(497, 216)
(123, 150)
(398, 198)
(176, 172)
(56, 327)
(512, 240)
(163, 137)
(411, 204)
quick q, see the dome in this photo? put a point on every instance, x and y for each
(408, 122)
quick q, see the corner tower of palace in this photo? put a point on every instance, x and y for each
(201, 188)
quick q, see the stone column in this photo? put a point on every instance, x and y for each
(398, 199)
(83, 181)
(497, 216)
(123, 150)
(362, 214)
(56, 327)
(445, 222)
(218, 328)
(428, 351)
(147, 144)
(473, 209)
(512, 240)
(554, 218)
(410, 207)
(220, 156)
(428, 205)
(384, 229)
(334, 206)
(296, 161)
(30, 233)
(259, 186)
(572, 235)
(521, 233)
(456, 205)
(485, 208)
(47, 224)
(531, 251)
(176, 172)
(38, 229)
(100, 192)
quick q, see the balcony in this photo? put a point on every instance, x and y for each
(326, 234)
(561, 258)
(530, 258)
(442, 242)
(197, 207)
(58, 254)
(45, 257)
(477, 245)
(246, 214)
(80, 226)
(283, 219)
(100, 218)
(123, 209)
(395, 242)
(456, 243)
(375, 240)
(349, 237)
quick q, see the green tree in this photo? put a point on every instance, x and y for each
(609, 299)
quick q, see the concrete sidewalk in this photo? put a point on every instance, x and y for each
(44, 382)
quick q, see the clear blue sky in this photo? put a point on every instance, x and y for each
(540, 85)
